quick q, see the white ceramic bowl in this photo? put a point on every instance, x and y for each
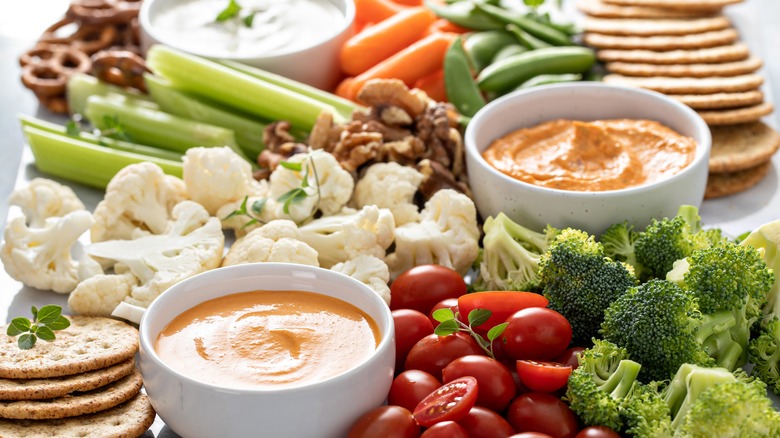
(536, 206)
(323, 409)
(316, 65)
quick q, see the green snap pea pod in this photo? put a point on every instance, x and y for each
(461, 89)
(569, 29)
(535, 28)
(528, 41)
(506, 52)
(464, 14)
(483, 46)
(549, 79)
(510, 72)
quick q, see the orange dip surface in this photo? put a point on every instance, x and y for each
(268, 339)
(591, 156)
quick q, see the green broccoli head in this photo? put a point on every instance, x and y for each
(581, 282)
(766, 239)
(618, 241)
(765, 354)
(688, 383)
(646, 413)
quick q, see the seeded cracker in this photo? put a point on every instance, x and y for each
(672, 42)
(724, 184)
(676, 4)
(598, 8)
(690, 85)
(90, 343)
(720, 100)
(728, 53)
(737, 115)
(128, 420)
(645, 27)
(735, 68)
(739, 147)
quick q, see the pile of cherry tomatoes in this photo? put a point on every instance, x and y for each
(449, 386)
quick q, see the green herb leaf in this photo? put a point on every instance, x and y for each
(290, 197)
(249, 19)
(72, 129)
(13, 330)
(21, 323)
(296, 167)
(60, 324)
(477, 317)
(34, 311)
(27, 341)
(442, 315)
(447, 328)
(533, 3)
(257, 206)
(496, 331)
(249, 223)
(49, 313)
(230, 11)
(45, 333)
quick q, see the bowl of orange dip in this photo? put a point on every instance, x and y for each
(267, 349)
(586, 155)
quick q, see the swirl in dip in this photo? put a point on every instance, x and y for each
(591, 156)
(268, 339)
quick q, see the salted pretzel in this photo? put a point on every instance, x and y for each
(86, 37)
(46, 68)
(120, 67)
(103, 11)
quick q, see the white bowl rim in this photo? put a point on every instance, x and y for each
(148, 344)
(144, 20)
(699, 125)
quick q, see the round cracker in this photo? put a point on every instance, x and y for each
(739, 147)
(664, 42)
(727, 53)
(39, 389)
(690, 5)
(90, 343)
(720, 100)
(724, 184)
(711, 85)
(128, 420)
(75, 404)
(598, 8)
(645, 27)
(735, 68)
(736, 115)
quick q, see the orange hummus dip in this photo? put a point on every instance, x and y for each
(591, 156)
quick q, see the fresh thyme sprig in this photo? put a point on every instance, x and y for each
(449, 324)
(233, 11)
(114, 129)
(45, 321)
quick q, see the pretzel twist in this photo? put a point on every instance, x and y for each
(103, 11)
(120, 67)
(86, 37)
(46, 68)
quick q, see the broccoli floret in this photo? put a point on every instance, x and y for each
(646, 412)
(765, 354)
(511, 253)
(581, 282)
(687, 384)
(618, 241)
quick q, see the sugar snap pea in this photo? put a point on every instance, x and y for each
(465, 14)
(461, 89)
(483, 46)
(527, 40)
(535, 28)
(509, 72)
(549, 79)
(506, 52)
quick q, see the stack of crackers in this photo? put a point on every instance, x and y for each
(82, 384)
(688, 50)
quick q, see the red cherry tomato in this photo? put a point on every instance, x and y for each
(433, 352)
(543, 376)
(570, 357)
(445, 429)
(536, 333)
(410, 327)
(530, 435)
(421, 287)
(449, 303)
(540, 412)
(385, 421)
(484, 423)
(451, 402)
(597, 432)
(502, 305)
(496, 386)
(410, 387)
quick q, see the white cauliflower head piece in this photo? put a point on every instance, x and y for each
(41, 257)
(217, 176)
(276, 241)
(101, 294)
(138, 198)
(43, 198)
(392, 186)
(369, 270)
(447, 235)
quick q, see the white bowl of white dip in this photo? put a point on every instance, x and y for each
(299, 39)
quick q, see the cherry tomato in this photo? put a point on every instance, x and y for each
(386, 421)
(496, 386)
(484, 423)
(543, 376)
(597, 432)
(433, 352)
(448, 303)
(410, 387)
(536, 333)
(570, 357)
(502, 305)
(445, 429)
(530, 435)
(540, 412)
(421, 287)
(410, 327)
(451, 402)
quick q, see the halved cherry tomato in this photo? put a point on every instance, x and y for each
(536, 333)
(502, 305)
(545, 413)
(543, 376)
(451, 402)
(597, 432)
(570, 357)
(445, 429)
(447, 303)
(496, 386)
(410, 327)
(421, 287)
(484, 423)
(434, 352)
(385, 421)
(410, 387)
(530, 435)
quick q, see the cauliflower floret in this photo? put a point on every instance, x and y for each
(260, 209)
(371, 271)
(193, 243)
(44, 198)
(99, 295)
(390, 185)
(40, 257)
(352, 233)
(138, 197)
(447, 234)
(276, 241)
(217, 176)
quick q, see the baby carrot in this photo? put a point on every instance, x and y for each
(444, 25)
(374, 11)
(409, 2)
(433, 85)
(385, 38)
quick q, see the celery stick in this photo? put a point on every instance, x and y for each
(81, 86)
(234, 89)
(84, 162)
(101, 141)
(248, 132)
(345, 107)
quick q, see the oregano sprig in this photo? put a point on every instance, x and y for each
(449, 323)
(45, 321)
